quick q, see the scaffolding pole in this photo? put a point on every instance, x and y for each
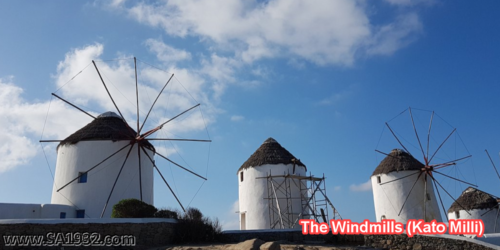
(283, 191)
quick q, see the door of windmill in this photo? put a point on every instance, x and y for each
(243, 221)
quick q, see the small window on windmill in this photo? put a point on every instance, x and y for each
(379, 180)
(457, 214)
(62, 215)
(428, 197)
(80, 213)
(82, 178)
(241, 176)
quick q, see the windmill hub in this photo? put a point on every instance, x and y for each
(428, 169)
(109, 114)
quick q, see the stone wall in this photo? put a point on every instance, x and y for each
(158, 232)
(403, 242)
(147, 234)
(420, 242)
(291, 235)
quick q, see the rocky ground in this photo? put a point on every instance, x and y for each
(256, 244)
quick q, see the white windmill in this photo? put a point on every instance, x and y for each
(478, 205)
(88, 147)
(107, 160)
(394, 199)
(404, 187)
(275, 192)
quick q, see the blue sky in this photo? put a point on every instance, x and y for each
(321, 78)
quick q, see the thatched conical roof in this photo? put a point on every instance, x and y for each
(397, 160)
(107, 126)
(270, 152)
(472, 198)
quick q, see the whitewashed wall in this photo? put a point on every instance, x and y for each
(91, 196)
(389, 198)
(53, 211)
(34, 211)
(475, 214)
(252, 194)
(20, 211)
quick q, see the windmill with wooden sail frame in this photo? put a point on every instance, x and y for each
(478, 205)
(120, 159)
(403, 187)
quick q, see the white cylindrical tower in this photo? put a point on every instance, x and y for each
(476, 205)
(389, 197)
(256, 191)
(91, 145)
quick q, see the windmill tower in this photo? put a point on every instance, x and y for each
(254, 203)
(403, 187)
(107, 160)
(392, 193)
(476, 204)
(99, 140)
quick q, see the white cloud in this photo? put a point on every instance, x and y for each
(363, 187)
(337, 188)
(391, 37)
(323, 32)
(166, 53)
(296, 63)
(400, 2)
(339, 96)
(221, 71)
(186, 89)
(22, 121)
(334, 98)
(15, 149)
(405, 3)
(167, 151)
(84, 86)
(237, 118)
(116, 2)
(217, 70)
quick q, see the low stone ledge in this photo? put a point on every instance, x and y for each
(423, 242)
(403, 242)
(87, 221)
(146, 235)
(290, 235)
